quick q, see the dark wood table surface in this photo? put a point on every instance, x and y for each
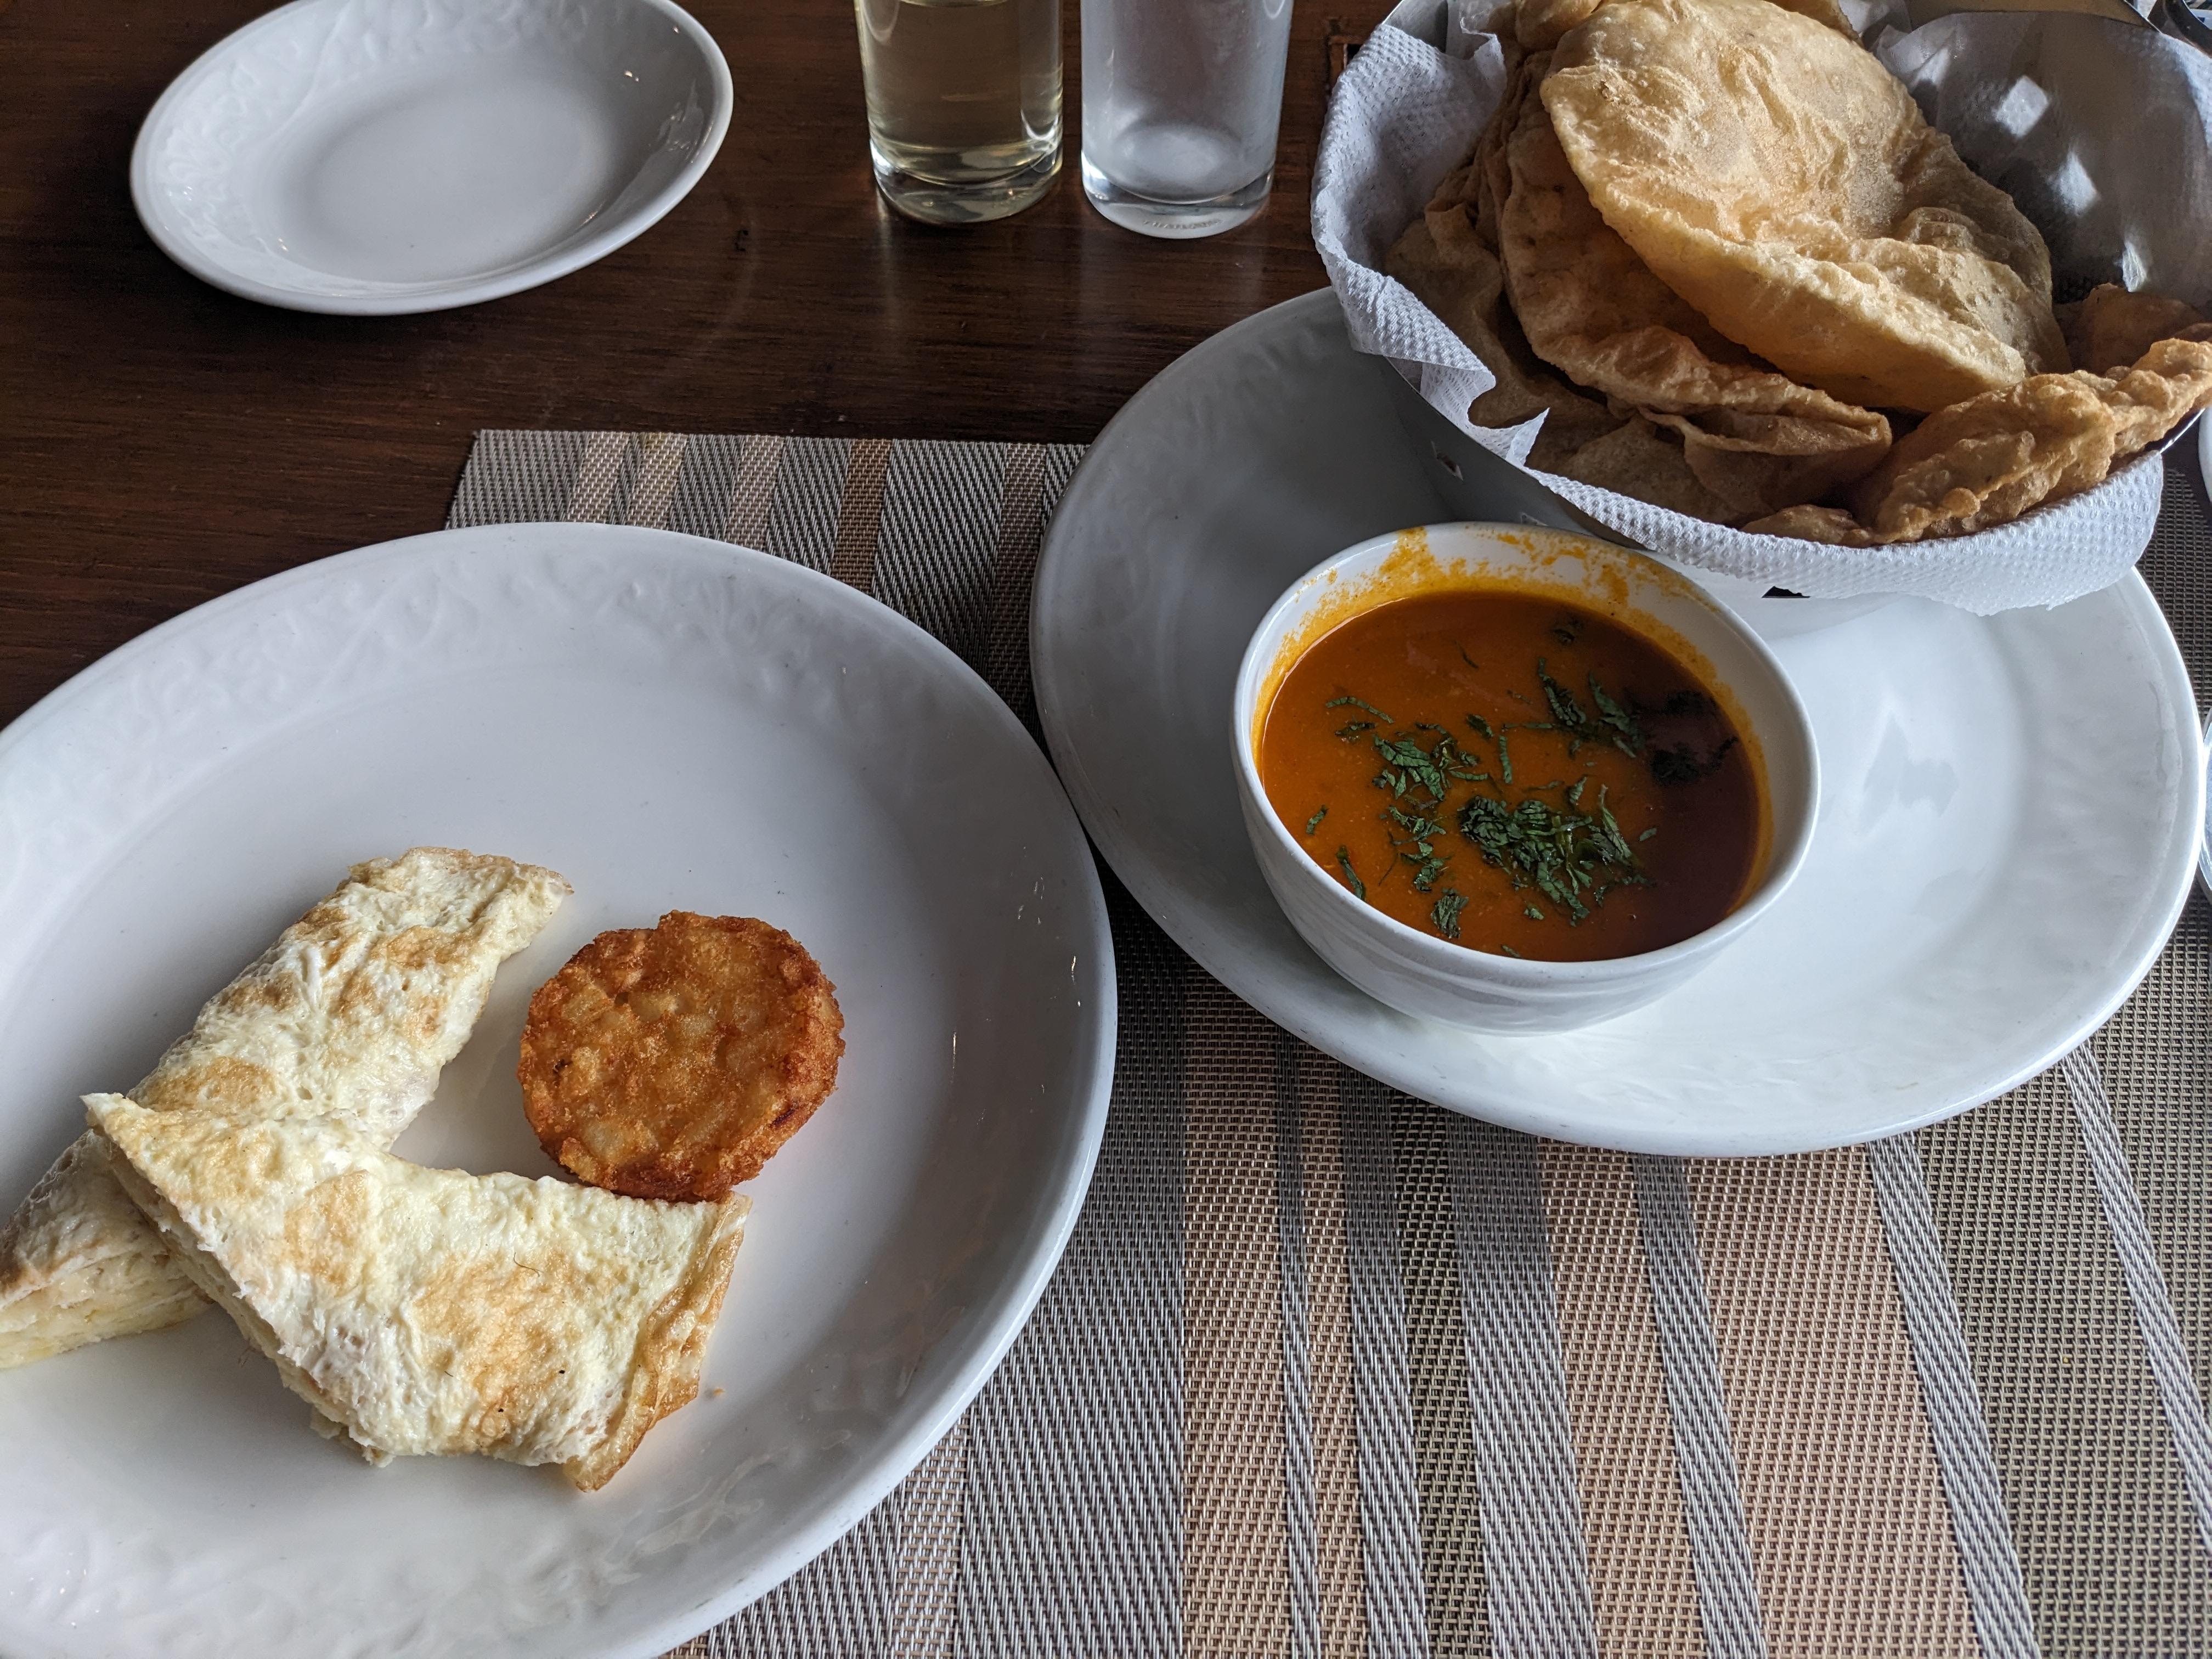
(161, 442)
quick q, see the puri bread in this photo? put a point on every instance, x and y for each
(1990, 459)
(2110, 327)
(424, 1311)
(673, 1061)
(1443, 260)
(353, 1012)
(1581, 302)
(1447, 257)
(1538, 25)
(1754, 439)
(1772, 172)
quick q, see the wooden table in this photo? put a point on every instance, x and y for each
(161, 442)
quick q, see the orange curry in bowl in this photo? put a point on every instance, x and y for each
(1514, 773)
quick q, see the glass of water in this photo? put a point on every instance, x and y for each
(1181, 102)
(963, 104)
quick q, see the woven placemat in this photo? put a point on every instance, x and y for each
(1327, 1371)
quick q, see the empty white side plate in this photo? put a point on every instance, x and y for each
(379, 156)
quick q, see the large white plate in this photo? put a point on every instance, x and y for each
(380, 156)
(671, 723)
(2009, 817)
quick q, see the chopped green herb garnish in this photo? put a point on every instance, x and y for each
(1422, 833)
(1455, 760)
(1627, 735)
(1419, 828)
(1407, 763)
(1613, 722)
(1690, 757)
(1350, 875)
(1566, 713)
(1507, 950)
(1561, 855)
(1682, 765)
(1622, 852)
(1445, 912)
(1564, 851)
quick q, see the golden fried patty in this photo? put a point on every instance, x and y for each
(673, 1061)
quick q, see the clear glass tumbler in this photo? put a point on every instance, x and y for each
(963, 104)
(1181, 103)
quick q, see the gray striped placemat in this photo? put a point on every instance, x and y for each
(1329, 1372)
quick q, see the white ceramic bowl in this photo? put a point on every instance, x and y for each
(381, 156)
(1432, 978)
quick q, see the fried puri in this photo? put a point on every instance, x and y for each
(1987, 460)
(673, 1061)
(1754, 439)
(1776, 175)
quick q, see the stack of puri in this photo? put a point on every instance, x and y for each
(1717, 245)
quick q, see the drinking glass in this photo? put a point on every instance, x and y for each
(1181, 103)
(963, 104)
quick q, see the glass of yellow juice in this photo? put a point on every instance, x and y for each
(963, 104)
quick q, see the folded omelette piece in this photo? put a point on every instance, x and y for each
(427, 1310)
(354, 1011)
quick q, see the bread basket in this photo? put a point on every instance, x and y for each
(2028, 98)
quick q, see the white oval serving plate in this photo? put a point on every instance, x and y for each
(382, 156)
(2010, 815)
(672, 724)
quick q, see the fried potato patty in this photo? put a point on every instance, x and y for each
(673, 1061)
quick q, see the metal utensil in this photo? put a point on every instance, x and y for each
(2168, 17)
(2183, 24)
